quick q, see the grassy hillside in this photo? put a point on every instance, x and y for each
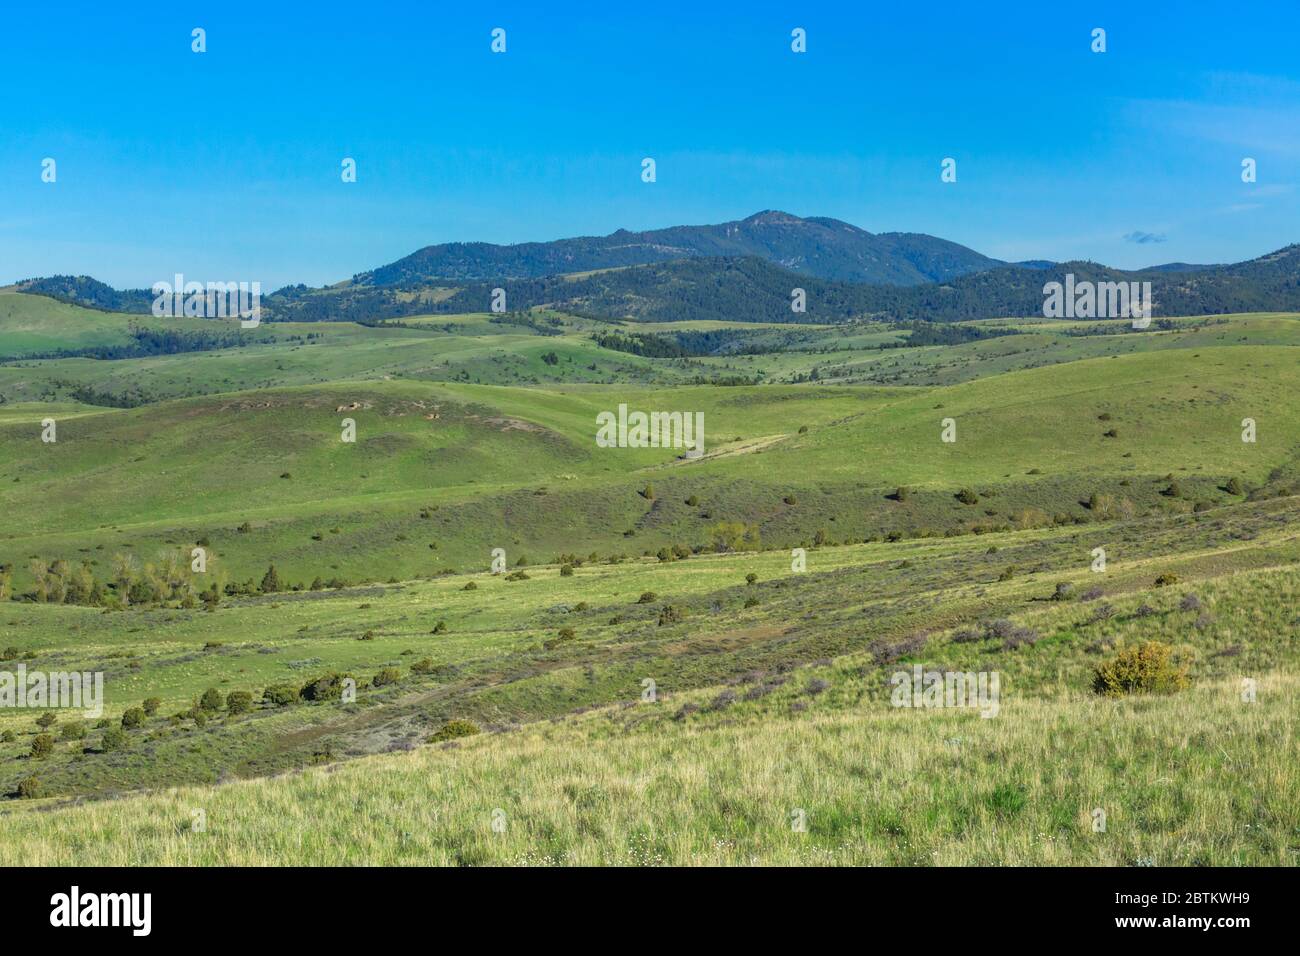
(476, 432)
(719, 775)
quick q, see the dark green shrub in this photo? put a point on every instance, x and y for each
(280, 695)
(46, 720)
(211, 700)
(647, 597)
(389, 675)
(42, 746)
(671, 614)
(239, 702)
(133, 717)
(115, 738)
(329, 687)
(151, 705)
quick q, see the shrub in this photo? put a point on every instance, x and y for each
(902, 493)
(735, 536)
(133, 717)
(1062, 592)
(29, 788)
(517, 576)
(1235, 487)
(471, 586)
(239, 702)
(1166, 579)
(790, 500)
(271, 581)
(46, 720)
(115, 738)
(1190, 602)
(151, 705)
(453, 729)
(439, 628)
(648, 493)
(671, 614)
(367, 636)
(329, 687)
(751, 578)
(692, 501)
(967, 496)
(1141, 668)
(42, 746)
(426, 665)
(566, 570)
(647, 597)
(1020, 637)
(1103, 612)
(280, 695)
(211, 700)
(8, 736)
(751, 602)
(389, 675)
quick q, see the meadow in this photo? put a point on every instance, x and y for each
(679, 661)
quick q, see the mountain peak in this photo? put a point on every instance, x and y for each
(771, 217)
(826, 248)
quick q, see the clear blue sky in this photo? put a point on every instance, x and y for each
(225, 165)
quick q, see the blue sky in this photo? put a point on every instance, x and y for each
(225, 165)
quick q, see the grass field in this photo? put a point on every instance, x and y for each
(623, 565)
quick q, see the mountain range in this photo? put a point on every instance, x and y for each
(742, 270)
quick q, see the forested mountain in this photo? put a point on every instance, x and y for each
(827, 248)
(690, 285)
